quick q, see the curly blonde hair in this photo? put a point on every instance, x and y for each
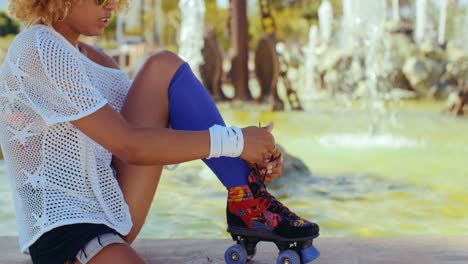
(46, 11)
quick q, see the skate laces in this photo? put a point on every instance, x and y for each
(272, 201)
(262, 176)
(275, 204)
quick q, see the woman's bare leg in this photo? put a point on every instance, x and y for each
(116, 254)
(146, 105)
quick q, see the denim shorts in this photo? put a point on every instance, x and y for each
(70, 242)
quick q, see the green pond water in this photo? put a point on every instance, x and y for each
(398, 170)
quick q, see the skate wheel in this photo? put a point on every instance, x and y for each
(236, 254)
(309, 254)
(288, 257)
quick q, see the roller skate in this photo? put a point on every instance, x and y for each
(254, 215)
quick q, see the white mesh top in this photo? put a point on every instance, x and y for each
(59, 176)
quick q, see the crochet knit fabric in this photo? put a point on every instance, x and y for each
(59, 176)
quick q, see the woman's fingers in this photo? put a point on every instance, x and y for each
(276, 155)
(273, 173)
(276, 172)
(275, 151)
(269, 127)
(251, 165)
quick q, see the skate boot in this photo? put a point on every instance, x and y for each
(252, 206)
(254, 215)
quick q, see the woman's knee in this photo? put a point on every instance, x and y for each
(152, 81)
(164, 62)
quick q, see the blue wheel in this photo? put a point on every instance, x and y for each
(236, 254)
(288, 257)
(309, 254)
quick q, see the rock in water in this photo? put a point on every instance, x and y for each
(423, 73)
(295, 170)
(457, 73)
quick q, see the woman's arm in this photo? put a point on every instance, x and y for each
(143, 145)
(160, 146)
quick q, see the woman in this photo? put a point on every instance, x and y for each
(84, 145)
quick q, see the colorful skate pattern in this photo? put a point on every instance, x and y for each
(257, 208)
(254, 215)
(277, 206)
(253, 211)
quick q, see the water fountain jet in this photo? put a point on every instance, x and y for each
(442, 21)
(310, 63)
(421, 21)
(191, 41)
(348, 24)
(396, 10)
(325, 14)
(465, 31)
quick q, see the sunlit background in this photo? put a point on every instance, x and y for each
(377, 149)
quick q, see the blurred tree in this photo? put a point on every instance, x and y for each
(153, 27)
(8, 25)
(216, 20)
(293, 19)
(172, 22)
(110, 30)
(142, 20)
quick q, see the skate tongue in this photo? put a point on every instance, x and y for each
(255, 183)
(258, 188)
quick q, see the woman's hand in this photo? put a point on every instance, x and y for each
(259, 144)
(273, 169)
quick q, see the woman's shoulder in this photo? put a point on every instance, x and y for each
(24, 44)
(34, 39)
(27, 35)
(34, 31)
(48, 45)
(97, 55)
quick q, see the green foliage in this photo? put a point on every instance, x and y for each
(110, 30)
(6, 41)
(8, 25)
(293, 20)
(217, 20)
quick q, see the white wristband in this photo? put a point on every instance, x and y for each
(226, 141)
(215, 142)
(240, 141)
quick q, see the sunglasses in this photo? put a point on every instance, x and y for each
(101, 2)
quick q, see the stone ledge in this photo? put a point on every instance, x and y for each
(387, 250)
